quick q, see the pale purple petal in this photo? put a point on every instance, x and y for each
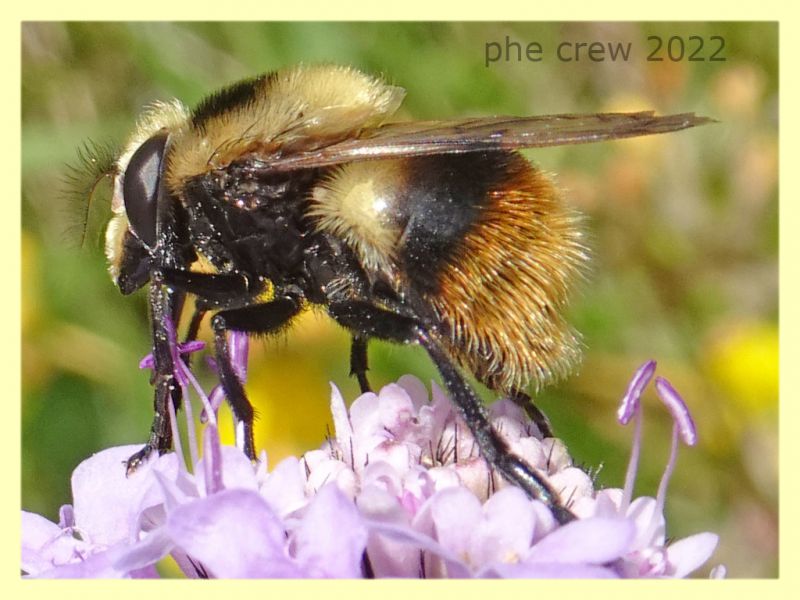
(649, 521)
(593, 541)
(365, 419)
(556, 454)
(106, 501)
(144, 553)
(505, 532)
(396, 409)
(45, 544)
(401, 457)
(690, 553)
(454, 512)
(341, 419)
(630, 401)
(549, 571)
(284, 487)
(101, 565)
(718, 572)
(388, 557)
(474, 475)
(148, 572)
(419, 500)
(415, 389)
(331, 537)
(680, 412)
(236, 470)
(571, 483)
(384, 475)
(329, 471)
(509, 420)
(233, 534)
(455, 568)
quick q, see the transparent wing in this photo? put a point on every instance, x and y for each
(421, 138)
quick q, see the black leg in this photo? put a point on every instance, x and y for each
(525, 402)
(369, 320)
(261, 318)
(492, 446)
(163, 307)
(358, 362)
(194, 324)
(192, 331)
(214, 289)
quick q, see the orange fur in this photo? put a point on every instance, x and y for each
(502, 294)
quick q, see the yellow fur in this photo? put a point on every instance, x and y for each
(115, 234)
(296, 109)
(358, 204)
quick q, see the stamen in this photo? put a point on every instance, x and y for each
(683, 428)
(176, 437)
(630, 407)
(680, 412)
(633, 463)
(66, 516)
(239, 344)
(187, 407)
(212, 463)
(630, 401)
(208, 406)
(215, 400)
(661, 496)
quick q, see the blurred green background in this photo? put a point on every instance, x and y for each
(683, 227)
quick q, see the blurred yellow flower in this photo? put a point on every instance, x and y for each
(743, 361)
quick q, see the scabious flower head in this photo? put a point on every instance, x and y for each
(399, 490)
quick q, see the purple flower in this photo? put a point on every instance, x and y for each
(399, 491)
(649, 555)
(94, 533)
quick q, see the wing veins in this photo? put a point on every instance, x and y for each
(422, 138)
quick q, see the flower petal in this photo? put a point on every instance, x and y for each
(388, 557)
(691, 553)
(331, 537)
(232, 534)
(454, 512)
(100, 565)
(107, 502)
(284, 488)
(505, 532)
(549, 571)
(45, 544)
(594, 541)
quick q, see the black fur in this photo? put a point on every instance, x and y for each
(236, 96)
(445, 196)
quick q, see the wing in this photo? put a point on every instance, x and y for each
(420, 138)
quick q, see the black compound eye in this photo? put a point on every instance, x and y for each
(140, 188)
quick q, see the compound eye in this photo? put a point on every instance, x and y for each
(140, 188)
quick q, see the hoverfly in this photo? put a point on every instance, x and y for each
(294, 189)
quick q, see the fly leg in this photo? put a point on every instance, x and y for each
(164, 307)
(358, 362)
(257, 319)
(368, 320)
